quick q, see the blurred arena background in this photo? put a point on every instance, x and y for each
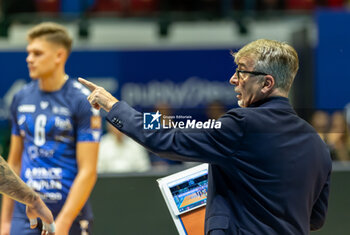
(176, 54)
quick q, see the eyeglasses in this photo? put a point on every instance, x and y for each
(250, 72)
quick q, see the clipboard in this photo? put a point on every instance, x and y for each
(185, 194)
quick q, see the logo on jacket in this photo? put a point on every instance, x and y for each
(151, 121)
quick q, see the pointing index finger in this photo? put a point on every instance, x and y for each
(88, 84)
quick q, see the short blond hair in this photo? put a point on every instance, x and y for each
(52, 32)
(272, 57)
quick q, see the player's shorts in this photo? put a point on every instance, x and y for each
(20, 223)
(21, 226)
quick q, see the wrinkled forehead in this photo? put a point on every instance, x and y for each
(245, 62)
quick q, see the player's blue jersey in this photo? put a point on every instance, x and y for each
(51, 124)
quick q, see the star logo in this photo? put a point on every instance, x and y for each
(151, 121)
(156, 116)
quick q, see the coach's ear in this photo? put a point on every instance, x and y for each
(268, 85)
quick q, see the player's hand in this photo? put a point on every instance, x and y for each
(39, 209)
(99, 97)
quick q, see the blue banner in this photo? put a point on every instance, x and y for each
(332, 59)
(180, 78)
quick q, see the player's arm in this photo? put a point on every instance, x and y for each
(14, 161)
(14, 187)
(82, 186)
(319, 210)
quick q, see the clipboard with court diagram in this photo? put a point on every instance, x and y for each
(185, 194)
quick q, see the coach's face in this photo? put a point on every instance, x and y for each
(247, 86)
(43, 58)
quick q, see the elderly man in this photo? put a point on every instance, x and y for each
(269, 171)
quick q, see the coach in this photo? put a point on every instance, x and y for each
(269, 171)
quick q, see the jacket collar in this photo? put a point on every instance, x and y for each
(274, 102)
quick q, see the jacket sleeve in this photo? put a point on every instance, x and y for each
(199, 145)
(319, 210)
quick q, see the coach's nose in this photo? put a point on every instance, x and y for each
(234, 79)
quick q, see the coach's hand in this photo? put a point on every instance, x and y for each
(99, 97)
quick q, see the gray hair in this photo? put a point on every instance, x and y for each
(277, 59)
